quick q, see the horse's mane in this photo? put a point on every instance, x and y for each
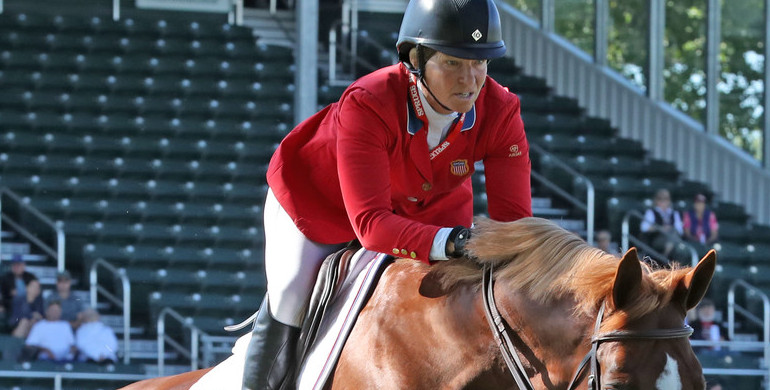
(544, 261)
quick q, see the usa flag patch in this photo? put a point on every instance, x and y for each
(459, 167)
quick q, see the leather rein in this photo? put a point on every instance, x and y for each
(502, 332)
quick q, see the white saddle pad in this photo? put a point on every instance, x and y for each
(339, 319)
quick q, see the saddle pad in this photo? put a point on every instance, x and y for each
(339, 319)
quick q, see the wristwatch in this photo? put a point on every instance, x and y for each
(455, 244)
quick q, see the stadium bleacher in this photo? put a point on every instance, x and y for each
(147, 140)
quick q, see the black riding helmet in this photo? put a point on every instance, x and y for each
(467, 29)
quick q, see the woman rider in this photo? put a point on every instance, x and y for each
(390, 164)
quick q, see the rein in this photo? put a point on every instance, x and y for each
(501, 331)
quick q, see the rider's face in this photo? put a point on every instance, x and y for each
(455, 82)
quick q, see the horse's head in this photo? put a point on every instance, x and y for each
(652, 350)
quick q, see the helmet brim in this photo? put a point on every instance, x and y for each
(471, 52)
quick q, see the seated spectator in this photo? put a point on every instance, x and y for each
(700, 223)
(705, 326)
(604, 241)
(662, 226)
(71, 307)
(14, 282)
(27, 310)
(52, 337)
(95, 341)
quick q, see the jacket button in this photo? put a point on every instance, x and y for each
(413, 255)
(426, 186)
(412, 199)
(396, 251)
(404, 252)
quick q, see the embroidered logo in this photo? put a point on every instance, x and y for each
(476, 35)
(459, 167)
(515, 152)
(416, 100)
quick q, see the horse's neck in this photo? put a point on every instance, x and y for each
(550, 336)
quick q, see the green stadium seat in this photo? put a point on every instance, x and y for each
(759, 252)
(728, 252)
(67, 42)
(759, 233)
(733, 231)
(24, 20)
(727, 211)
(52, 81)
(21, 59)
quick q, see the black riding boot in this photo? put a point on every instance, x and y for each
(271, 354)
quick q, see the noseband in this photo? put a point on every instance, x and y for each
(501, 331)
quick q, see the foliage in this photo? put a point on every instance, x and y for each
(741, 55)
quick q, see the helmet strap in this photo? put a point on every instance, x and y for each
(425, 84)
(421, 61)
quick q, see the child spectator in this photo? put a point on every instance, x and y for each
(700, 223)
(604, 241)
(26, 310)
(705, 326)
(96, 342)
(662, 225)
(71, 307)
(52, 336)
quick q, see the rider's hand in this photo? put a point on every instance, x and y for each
(455, 243)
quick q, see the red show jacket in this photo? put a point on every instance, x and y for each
(361, 167)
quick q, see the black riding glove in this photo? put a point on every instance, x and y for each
(455, 243)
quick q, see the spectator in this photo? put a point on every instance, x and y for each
(27, 310)
(95, 341)
(52, 337)
(604, 241)
(71, 306)
(714, 384)
(700, 223)
(662, 225)
(705, 326)
(14, 282)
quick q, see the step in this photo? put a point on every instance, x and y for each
(273, 29)
(115, 321)
(541, 202)
(169, 369)
(29, 257)
(549, 213)
(574, 225)
(147, 349)
(13, 248)
(46, 274)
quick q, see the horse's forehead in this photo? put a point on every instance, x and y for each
(669, 378)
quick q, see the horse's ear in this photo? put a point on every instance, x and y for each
(628, 279)
(697, 281)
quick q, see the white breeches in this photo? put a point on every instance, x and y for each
(292, 262)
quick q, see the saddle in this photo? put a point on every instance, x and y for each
(345, 282)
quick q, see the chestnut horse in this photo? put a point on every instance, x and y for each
(425, 327)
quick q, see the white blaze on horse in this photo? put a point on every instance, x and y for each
(573, 317)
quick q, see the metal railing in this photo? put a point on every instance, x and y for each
(764, 322)
(588, 206)
(125, 303)
(57, 377)
(627, 238)
(195, 335)
(25, 219)
(212, 345)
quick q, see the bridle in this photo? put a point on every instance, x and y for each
(501, 331)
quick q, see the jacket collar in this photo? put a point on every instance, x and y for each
(414, 124)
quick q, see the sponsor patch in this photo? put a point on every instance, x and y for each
(476, 35)
(459, 167)
(515, 152)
